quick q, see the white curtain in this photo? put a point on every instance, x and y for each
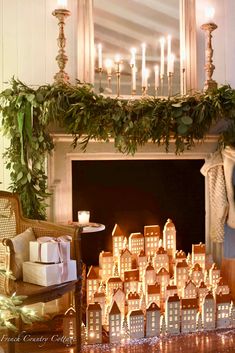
(85, 38)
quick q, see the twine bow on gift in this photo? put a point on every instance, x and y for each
(62, 252)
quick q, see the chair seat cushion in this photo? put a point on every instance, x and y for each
(20, 244)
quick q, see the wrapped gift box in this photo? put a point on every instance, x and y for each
(49, 274)
(49, 251)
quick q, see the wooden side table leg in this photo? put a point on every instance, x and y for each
(78, 289)
(78, 308)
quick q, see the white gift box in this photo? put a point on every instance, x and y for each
(49, 251)
(49, 274)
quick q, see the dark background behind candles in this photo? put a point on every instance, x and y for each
(138, 193)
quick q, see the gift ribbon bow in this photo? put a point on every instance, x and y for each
(62, 251)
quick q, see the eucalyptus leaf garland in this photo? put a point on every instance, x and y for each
(27, 114)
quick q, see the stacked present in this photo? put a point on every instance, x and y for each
(49, 262)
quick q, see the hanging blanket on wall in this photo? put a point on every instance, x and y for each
(218, 204)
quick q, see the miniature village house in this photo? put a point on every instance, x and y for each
(114, 324)
(169, 237)
(161, 259)
(94, 323)
(92, 284)
(151, 239)
(136, 324)
(172, 314)
(118, 238)
(152, 320)
(223, 302)
(189, 310)
(139, 294)
(106, 264)
(208, 312)
(199, 255)
(136, 243)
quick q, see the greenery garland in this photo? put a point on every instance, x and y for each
(27, 114)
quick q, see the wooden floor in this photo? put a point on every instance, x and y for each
(210, 342)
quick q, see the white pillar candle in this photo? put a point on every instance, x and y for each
(156, 72)
(133, 54)
(100, 65)
(145, 78)
(109, 64)
(162, 45)
(83, 217)
(62, 4)
(168, 53)
(143, 64)
(171, 63)
(133, 77)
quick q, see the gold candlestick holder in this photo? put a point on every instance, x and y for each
(61, 58)
(161, 84)
(144, 91)
(100, 70)
(170, 83)
(156, 92)
(118, 76)
(183, 82)
(109, 77)
(209, 84)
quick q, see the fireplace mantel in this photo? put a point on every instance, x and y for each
(60, 168)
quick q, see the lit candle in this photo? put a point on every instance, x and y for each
(156, 72)
(168, 53)
(162, 44)
(83, 217)
(100, 56)
(143, 64)
(109, 64)
(133, 54)
(62, 4)
(133, 76)
(209, 13)
(145, 78)
(117, 59)
(171, 63)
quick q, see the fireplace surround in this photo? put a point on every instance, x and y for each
(60, 173)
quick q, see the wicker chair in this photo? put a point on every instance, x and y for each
(12, 223)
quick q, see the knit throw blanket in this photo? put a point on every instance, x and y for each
(218, 204)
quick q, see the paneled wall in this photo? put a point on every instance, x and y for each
(28, 47)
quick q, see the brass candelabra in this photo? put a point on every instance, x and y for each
(61, 76)
(209, 84)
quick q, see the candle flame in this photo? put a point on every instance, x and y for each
(209, 12)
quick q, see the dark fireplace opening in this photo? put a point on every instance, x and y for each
(137, 193)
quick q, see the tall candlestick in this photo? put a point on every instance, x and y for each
(61, 58)
(100, 56)
(168, 53)
(162, 44)
(156, 72)
(171, 63)
(143, 63)
(133, 79)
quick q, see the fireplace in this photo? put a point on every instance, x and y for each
(135, 193)
(60, 181)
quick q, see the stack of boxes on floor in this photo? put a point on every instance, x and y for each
(146, 287)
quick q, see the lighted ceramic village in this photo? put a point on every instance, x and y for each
(145, 288)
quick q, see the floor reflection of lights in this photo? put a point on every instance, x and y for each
(222, 341)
